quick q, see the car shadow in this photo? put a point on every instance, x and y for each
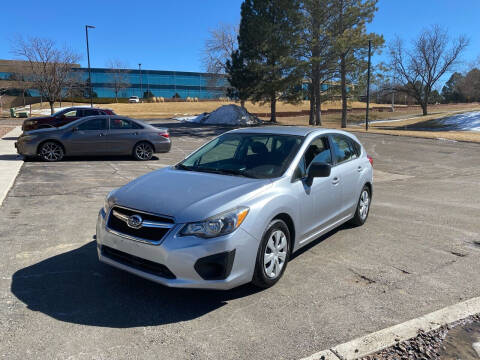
(96, 158)
(10, 157)
(75, 287)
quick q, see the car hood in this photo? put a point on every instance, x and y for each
(187, 195)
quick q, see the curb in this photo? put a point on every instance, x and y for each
(371, 343)
(9, 168)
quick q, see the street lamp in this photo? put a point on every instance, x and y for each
(368, 82)
(89, 71)
(140, 69)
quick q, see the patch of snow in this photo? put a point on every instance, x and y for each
(226, 115)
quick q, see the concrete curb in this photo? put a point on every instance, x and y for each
(10, 162)
(382, 339)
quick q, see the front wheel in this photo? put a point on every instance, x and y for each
(51, 151)
(143, 151)
(363, 207)
(273, 255)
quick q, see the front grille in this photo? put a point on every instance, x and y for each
(135, 262)
(149, 233)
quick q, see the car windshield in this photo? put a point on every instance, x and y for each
(252, 155)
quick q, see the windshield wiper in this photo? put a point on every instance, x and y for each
(220, 171)
(184, 167)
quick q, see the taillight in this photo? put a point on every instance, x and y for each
(164, 134)
(370, 159)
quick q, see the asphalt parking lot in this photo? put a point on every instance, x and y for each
(418, 252)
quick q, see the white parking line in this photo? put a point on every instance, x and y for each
(10, 162)
(382, 339)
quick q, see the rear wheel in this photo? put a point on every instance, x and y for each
(363, 207)
(51, 151)
(273, 255)
(143, 151)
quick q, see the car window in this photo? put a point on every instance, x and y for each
(344, 148)
(94, 124)
(116, 124)
(90, 112)
(318, 151)
(72, 113)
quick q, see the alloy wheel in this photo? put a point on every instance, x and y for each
(364, 204)
(51, 151)
(275, 254)
(144, 151)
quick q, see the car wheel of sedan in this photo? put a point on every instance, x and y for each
(51, 151)
(273, 255)
(363, 207)
(143, 151)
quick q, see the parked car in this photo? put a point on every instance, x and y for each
(62, 117)
(95, 135)
(133, 99)
(236, 209)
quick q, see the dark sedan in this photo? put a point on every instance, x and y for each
(95, 135)
(63, 117)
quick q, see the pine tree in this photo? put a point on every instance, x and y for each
(351, 40)
(241, 79)
(269, 43)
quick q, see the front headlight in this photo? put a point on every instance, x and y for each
(221, 224)
(108, 202)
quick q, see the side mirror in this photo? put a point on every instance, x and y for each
(318, 169)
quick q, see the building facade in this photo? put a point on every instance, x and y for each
(130, 82)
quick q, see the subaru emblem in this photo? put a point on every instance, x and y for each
(135, 221)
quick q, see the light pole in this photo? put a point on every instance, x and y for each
(89, 71)
(368, 82)
(140, 69)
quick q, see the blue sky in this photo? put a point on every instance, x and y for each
(169, 35)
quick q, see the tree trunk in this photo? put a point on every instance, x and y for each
(242, 103)
(318, 102)
(52, 109)
(273, 109)
(343, 85)
(425, 108)
(311, 95)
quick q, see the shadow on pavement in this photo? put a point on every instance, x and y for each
(10, 157)
(75, 287)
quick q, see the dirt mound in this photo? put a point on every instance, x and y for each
(227, 115)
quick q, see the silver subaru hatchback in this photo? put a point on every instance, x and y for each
(236, 209)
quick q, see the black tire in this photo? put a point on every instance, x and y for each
(361, 215)
(260, 277)
(143, 151)
(51, 151)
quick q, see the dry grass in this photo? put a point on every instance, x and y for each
(172, 109)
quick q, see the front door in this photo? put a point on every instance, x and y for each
(319, 201)
(88, 137)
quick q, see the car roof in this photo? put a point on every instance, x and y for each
(287, 130)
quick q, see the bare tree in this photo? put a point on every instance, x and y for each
(49, 67)
(119, 76)
(431, 55)
(220, 45)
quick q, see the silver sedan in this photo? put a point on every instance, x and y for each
(95, 135)
(236, 209)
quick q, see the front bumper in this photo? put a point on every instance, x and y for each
(26, 148)
(188, 258)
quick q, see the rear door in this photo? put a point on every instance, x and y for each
(122, 135)
(347, 170)
(88, 137)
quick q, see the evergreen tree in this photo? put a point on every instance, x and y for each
(318, 50)
(351, 40)
(269, 43)
(451, 91)
(241, 80)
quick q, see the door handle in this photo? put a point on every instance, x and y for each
(103, 134)
(335, 180)
(359, 169)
